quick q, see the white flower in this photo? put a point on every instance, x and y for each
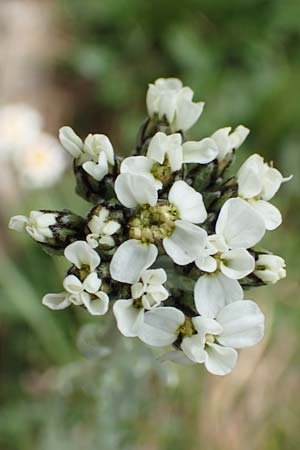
(183, 243)
(258, 183)
(37, 225)
(147, 294)
(78, 291)
(237, 325)
(163, 150)
(41, 163)
(102, 229)
(227, 141)
(95, 154)
(99, 154)
(19, 125)
(238, 228)
(82, 255)
(270, 268)
(168, 98)
(211, 338)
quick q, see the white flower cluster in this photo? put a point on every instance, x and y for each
(169, 241)
(33, 156)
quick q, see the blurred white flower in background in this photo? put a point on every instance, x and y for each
(29, 157)
(19, 126)
(41, 163)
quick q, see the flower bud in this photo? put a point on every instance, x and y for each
(70, 141)
(168, 99)
(270, 268)
(54, 230)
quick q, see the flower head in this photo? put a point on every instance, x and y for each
(169, 240)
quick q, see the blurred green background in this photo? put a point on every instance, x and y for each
(69, 381)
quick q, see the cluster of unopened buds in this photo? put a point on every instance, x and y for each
(168, 244)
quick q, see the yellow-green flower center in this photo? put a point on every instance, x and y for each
(162, 172)
(153, 223)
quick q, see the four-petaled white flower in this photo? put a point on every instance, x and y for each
(82, 290)
(37, 225)
(238, 228)
(227, 142)
(146, 294)
(270, 268)
(211, 338)
(95, 154)
(102, 229)
(258, 182)
(237, 325)
(168, 98)
(161, 147)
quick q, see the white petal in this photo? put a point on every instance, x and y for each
(96, 170)
(220, 360)
(239, 224)
(133, 190)
(193, 347)
(131, 259)
(243, 324)
(160, 326)
(238, 136)
(201, 152)
(206, 325)
(43, 220)
(92, 283)
(237, 263)
(206, 263)
(270, 214)
(154, 276)
(137, 165)
(187, 113)
(158, 292)
(271, 182)
(80, 253)
(188, 202)
(250, 183)
(96, 304)
(18, 223)
(250, 176)
(137, 290)
(56, 301)
(186, 242)
(221, 138)
(158, 147)
(92, 240)
(213, 292)
(129, 319)
(111, 227)
(70, 141)
(72, 284)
